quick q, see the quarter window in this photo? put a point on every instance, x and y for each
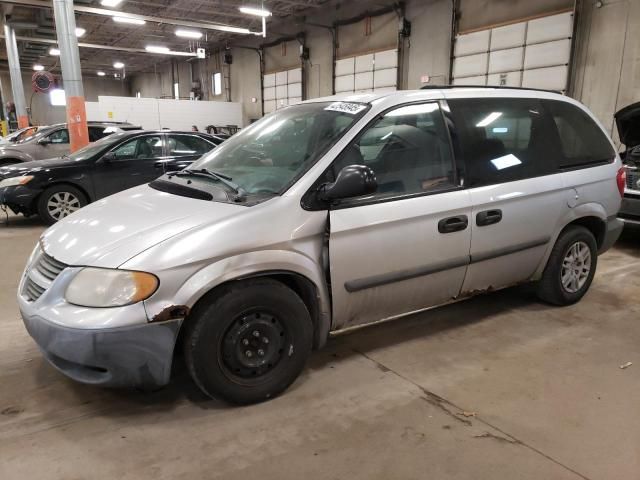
(408, 150)
(187, 146)
(582, 141)
(503, 139)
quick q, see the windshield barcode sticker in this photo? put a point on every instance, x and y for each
(345, 107)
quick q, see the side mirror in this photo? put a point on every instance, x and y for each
(352, 181)
(108, 157)
(44, 142)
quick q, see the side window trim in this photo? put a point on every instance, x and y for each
(308, 204)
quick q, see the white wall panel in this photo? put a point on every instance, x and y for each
(345, 66)
(294, 75)
(364, 63)
(509, 36)
(471, 43)
(553, 27)
(293, 100)
(509, 79)
(478, 80)
(385, 78)
(363, 81)
(281, 78)
(270, 93)
(386, 89)
(552, 78)
(470, 65)
(270, 80)
(386, 59)
(506, 60)
(344, 83)
(269, 106)
(547, 54)
(281, 91)
(294, 90)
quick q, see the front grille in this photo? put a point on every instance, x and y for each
(32, 291)
(49, 267)
(633, 177)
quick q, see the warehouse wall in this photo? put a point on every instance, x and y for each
(42, 113)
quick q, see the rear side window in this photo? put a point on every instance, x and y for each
(582, 141)
(187, 146)
(96, 133)
(503, 139)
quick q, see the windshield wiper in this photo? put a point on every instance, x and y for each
(241, 194)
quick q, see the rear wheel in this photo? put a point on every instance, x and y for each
(571, 267)
(249, 342)
(60, 201)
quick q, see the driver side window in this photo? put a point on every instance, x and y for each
(408, 150)
(59, 137)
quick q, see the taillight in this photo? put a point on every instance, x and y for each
(621, 180)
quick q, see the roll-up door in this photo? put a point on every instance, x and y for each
(371, 72)
(531, 54)
(281, 89)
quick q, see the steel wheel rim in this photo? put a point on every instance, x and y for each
(62, 204)
(253, 345)
(576, 267)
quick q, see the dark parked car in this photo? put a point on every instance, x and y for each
(53, 141)
(58, 187)
(628, 123)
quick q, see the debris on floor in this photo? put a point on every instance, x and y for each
(468, 414)
(626, 365)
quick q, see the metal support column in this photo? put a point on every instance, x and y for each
(16, 76)
(71, 73)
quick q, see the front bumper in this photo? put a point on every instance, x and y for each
(630, 209)
(130, 356)
(19, 198)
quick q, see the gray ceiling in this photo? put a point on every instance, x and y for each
(104, 31)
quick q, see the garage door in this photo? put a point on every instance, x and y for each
(372, 72)
(530, 54)
(281, 89)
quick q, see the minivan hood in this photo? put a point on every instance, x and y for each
(37, 165)
(113, 230)
(628, 123)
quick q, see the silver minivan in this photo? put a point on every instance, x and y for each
(323, 216)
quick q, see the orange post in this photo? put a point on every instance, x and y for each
(77, 123)
(23, 121)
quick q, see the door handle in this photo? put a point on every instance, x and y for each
(453, 224)
(488, 217)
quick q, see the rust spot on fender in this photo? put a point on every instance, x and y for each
(172, 312)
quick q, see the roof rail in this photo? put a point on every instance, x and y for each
(503, 87)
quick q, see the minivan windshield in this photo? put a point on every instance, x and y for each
(268, 156)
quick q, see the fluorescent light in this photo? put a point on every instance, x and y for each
(133, 21)
(226, 28)
(38, 68)
(101, 74)
(80, 31)
(57, 97)
(189, 34)
(118, 65)
(54, 52)
(492, 117)
(110, 3)
(157, 49)
(259, 12)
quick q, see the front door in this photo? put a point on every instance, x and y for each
(407, 246)
(517, 194)
(55, 144)
(133, 163)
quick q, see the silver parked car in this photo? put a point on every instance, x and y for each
(326, 215)
(53, 142)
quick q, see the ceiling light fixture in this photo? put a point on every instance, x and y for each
(101, 74)
(132, 21)
(54, 52)
(38, 68)
(189, 34)
(80, 31)
(157, 49)
(259, 12)
(226, 28)
(110, 3)
(118, 65)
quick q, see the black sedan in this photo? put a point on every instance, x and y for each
(58, 187)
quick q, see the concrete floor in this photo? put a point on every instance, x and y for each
(497, 387)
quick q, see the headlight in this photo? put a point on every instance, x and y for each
(100, 287)
(13, 181)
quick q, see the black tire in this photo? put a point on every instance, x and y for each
(236, 320)
(551, 288)
(75, 201)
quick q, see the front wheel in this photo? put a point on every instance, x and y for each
(570, 268)
(60, 201)
(249, 342)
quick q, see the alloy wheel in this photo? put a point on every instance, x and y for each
(576, 267)
(62, 204)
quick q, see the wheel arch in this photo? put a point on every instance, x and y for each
(56, 183)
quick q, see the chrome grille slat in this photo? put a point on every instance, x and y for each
(49, 268)
(32, 290)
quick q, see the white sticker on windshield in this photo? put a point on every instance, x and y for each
(346, 107)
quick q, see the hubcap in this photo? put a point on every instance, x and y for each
(576, 267)
(253, 345)
(62, 204)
